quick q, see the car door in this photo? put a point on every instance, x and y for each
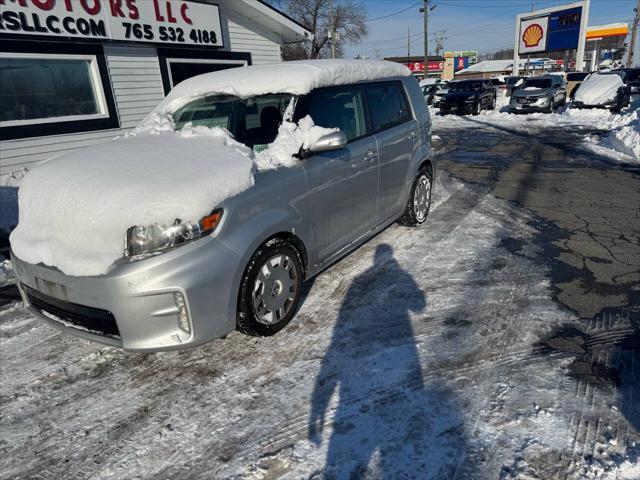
(396, 132)
(342, 184)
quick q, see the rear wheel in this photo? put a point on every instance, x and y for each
(270, 289)
(493, 104)
(419, 201)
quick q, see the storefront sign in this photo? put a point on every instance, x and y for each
(418, 67)
(177, 22)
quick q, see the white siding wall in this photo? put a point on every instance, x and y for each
(136, 81)
(245, 36)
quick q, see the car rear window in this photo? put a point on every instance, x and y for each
(577, 76)
(387, 105)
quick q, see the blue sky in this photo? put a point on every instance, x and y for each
(483, 25)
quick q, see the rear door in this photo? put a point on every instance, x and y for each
(397, 134)
(342, 184)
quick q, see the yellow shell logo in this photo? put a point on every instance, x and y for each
(532, 35)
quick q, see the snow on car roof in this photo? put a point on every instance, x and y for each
(297, 78)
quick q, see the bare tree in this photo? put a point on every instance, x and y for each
(346, 17)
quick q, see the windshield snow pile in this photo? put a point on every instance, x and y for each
(75, 210)
(598, 89)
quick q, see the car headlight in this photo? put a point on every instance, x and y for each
(143, 239)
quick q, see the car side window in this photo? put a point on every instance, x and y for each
(387, 105)
(340, 107)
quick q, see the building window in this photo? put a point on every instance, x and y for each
(46, 88)
(182, 68)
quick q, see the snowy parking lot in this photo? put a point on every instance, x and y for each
(499, 340)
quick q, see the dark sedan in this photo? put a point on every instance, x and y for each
(469, 96)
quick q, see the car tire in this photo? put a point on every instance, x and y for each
(268, 301)
(552, 106)
(419, 202)
(493, 104)
(476, 109)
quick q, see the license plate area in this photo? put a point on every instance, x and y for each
(52, 289)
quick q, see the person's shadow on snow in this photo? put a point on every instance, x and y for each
(384, 418)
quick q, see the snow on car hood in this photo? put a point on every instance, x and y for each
(598, 89)
(75, 209)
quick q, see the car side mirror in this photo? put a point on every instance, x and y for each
(331, 141)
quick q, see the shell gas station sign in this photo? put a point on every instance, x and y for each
(533, 35)
(555, 29)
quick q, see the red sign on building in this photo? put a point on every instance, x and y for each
(418, 67)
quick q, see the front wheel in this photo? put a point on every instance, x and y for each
(419, 201)
(270, 289)
(476, 109)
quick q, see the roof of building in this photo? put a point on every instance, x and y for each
(288, 29)
(499, 65)
(609, 30)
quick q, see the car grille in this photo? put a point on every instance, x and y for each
(97, 321)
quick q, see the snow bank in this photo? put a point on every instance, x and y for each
(297, 78)
(76, 209)
(598, 89)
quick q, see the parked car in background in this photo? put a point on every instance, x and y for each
(574, 79)
(539, 94)
(603, 90)
(167, 277)
(631, 78)
(468, 96)
(513, 83)
(441, 90)
(499, 84)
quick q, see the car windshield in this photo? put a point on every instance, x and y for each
(465, 87)
(253, 121)
(512, 80)
(577, 76)
(537, 83)
(633, 75)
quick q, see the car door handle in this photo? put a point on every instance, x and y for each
(413, 136)
(370, 156)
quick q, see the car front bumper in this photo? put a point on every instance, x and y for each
(135, 305)
(540, 105)
(458, 108)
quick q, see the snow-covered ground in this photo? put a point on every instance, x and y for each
(431, 353)
(621, 142)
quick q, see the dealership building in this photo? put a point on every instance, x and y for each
(75, 73)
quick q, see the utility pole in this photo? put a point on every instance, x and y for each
(425, 10)
(408, 44)
(426, 38)
(634, 35)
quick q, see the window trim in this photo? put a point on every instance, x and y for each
(407, 104)
(46, 129)
(96, 85)
(191, 55)
(303, 106)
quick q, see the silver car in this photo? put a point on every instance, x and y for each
(539, 94)
(247, 273)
